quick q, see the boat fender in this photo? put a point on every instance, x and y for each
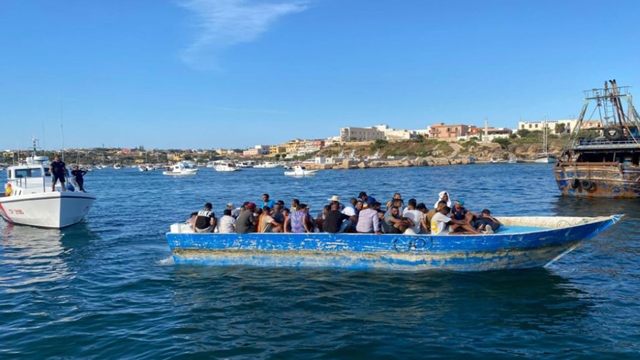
(586, 184)
(613, 133)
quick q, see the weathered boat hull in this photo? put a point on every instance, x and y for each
(398, 252)
(609, 180)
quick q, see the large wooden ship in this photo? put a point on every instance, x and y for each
(601, 158)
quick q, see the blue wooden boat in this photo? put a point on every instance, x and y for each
(522, 242)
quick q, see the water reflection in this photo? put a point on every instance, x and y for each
(31, 256)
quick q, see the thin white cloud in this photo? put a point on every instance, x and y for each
(224, 23)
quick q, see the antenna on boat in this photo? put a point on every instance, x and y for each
(61, 129)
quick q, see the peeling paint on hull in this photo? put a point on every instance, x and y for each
(398, 252)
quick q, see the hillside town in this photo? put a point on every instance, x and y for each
(300, 149)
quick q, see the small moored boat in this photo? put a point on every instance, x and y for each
(180, 169)
(521, 242)
(226, 167)
(300, 171)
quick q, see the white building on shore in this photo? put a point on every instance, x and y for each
(569, 125)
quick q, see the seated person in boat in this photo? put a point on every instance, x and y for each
(351, 211)
(205, 220)
(311, 224)
(368, 221)
(391, 202)
(439, 205)
(298, 220)
(247, 222)
(336, 221)
(286, 214)
(276, 213)
(319, 221)
(486, 223)
(443, 196)
(366, 199)
(459, 212)
(412, 213)
(294, 204)
(442, 224)
(393, 223)
(234, 212)
(424, 224)
(227, 223)
(336, 198)
(192, 219)
(268, 223)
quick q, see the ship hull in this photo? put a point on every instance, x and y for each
(607, 180)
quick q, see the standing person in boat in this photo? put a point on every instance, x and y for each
(247, 222)
(266, 202)
(57, 169)
(79, 177)
(443, 196)
(368, 221)
(206, 220)
(7, 189)
(227, 223)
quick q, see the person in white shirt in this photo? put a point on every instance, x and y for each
(442, 224)
(227, 224)
(414, 214)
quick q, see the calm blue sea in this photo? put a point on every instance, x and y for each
(108, 289)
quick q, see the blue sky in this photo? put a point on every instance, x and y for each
(233, 74)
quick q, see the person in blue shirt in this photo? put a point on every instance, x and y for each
(266, 202)
(366, 199)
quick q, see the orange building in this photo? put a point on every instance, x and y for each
(442, 131)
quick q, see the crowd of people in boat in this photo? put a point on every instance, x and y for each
(359, 215)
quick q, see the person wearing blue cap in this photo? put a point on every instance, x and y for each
(458, 211)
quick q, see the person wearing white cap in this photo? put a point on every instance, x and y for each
(336, 198)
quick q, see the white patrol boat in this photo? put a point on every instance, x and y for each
(28, 199)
